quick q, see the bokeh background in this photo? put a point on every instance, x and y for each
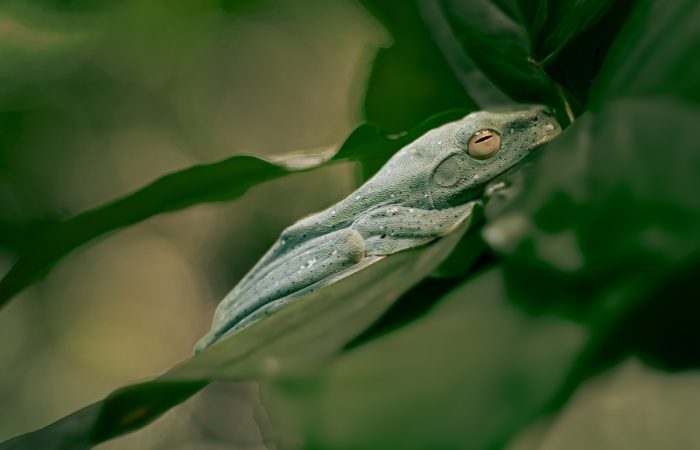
(566, 317)
(95, 101)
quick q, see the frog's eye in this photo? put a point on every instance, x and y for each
(484, 144)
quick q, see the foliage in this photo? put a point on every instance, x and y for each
(589, 261)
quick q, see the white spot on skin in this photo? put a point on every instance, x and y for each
(310, 263)
(392, 212)
(392, 196)
(335, 252)
(411, 210)
(333, 213)
(549, 127)
(357, 197)
(439, 142)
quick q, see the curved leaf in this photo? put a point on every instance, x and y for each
(478, 365)
(409, 79)
(614, 194)
(570, 39)
(494, 39)
(221, 181)
(605, 221)
(553, 25)
(296, 338)
(651, 410)
(657, 53)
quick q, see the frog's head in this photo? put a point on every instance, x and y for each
(484, 144)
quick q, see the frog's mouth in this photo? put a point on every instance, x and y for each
(551, 130)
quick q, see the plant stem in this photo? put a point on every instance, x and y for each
(565, 102)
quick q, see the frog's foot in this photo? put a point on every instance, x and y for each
(390, 229)
(315, 261)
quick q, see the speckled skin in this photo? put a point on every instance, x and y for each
(422, 193)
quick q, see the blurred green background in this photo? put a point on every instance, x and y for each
(98, 98)
(567, 318)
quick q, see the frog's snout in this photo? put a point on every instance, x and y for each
(547, 126)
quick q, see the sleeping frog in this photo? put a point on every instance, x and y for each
(427, 189)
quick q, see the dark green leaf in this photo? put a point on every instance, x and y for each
(294, 339)
(656, 54)
(569, 41)
(614, 195)
(410, 80)
(469, 374)
(609, 210)
(554, 24)
(493, 38)
(221, 181)
(617, 192)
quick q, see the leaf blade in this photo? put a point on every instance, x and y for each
(298, 337)
(216, 182)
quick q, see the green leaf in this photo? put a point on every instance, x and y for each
(570, 40)
(553, 25)
(216, 182)
(295, 339)
(469, 374)
(657, 53)
(492, 38)
(409, 80)
(606, 219)
(633, 407)
(616, 194)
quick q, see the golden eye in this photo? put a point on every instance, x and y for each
(484, 144)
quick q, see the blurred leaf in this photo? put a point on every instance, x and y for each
(657, 53)
(614, 195)
(38, 45)
(606, 218)
(661, 329)
(296, 338)
(461, 261)
(410, 80)
(610, 214)
(220, 181)
(492, 37)
(468, 375)
(634, 407)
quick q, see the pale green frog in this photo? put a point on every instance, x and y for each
(427, 189)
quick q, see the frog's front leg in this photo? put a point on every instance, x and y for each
(292, 273)
(392, 228)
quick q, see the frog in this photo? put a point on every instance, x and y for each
(423, 192)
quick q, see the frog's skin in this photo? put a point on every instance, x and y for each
(426, 190)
